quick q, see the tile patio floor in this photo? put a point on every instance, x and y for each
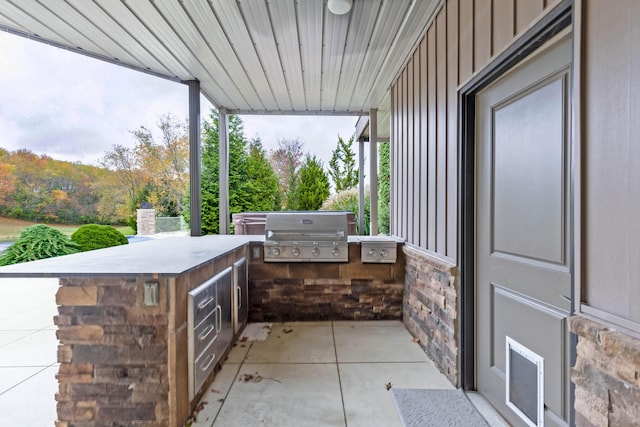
(319, 374)
(28, 346)
(313, 374)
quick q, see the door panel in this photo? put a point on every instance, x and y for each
(528, 214)
(522, 243)
(520, 317)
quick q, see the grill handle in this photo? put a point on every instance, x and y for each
(303, 235)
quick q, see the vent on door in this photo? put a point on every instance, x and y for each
(525, 383)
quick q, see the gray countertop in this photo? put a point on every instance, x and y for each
(158, 257)
(169, 256)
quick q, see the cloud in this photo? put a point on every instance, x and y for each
(75, 108)
(318, 133)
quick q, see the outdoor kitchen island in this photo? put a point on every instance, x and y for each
(123, 317)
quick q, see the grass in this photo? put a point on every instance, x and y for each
(10, 228)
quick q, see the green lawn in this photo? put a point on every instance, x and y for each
(10, 228)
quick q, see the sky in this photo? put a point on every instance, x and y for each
(75, 108)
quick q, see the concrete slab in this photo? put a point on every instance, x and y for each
(32, 402)
(216, 395)
(289, 395)
(36, 349)
(295, 344)
(360, 343)
(367, 401)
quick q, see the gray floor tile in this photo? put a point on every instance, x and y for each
(14, 375)
(367, 401)
(216, 394)
(377, 344)
(368, 323)
(31, 403)
(289, 395)
(36, 349)
(238, 352)
(294, 324)
(7, 337)
(295, 344)
(28, 319)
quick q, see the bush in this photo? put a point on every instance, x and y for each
(38, 242)
(92, 236)
(347, 200)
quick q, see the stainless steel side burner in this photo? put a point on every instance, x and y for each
(313, 236)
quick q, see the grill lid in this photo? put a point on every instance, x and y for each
(286, 226)
(306, 237)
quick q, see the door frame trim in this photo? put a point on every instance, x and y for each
(551, 24)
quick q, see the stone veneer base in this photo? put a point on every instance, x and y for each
(430, 308)
(606, 375)
(281, 292)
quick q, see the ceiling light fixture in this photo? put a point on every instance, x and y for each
(339, 7)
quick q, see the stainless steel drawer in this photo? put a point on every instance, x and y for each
(203, 365)
(206, 319)
(206, 332)
(202, 301)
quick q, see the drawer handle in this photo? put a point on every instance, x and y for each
(239, 297)
(219, 325)
(205, 303)
(210, 360)
(204, 334)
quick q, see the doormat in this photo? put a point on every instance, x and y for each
(436, 408)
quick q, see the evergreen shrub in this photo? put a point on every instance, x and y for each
(92, 236)
(347, 200)
(38, 242)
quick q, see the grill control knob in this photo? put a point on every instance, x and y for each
(295, 252)
(372, 252)
(383, 253)
(275, 251)
(315, 252)
(335, 252)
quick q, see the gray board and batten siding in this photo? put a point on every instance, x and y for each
(461, 40)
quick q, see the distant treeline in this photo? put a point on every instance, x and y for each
(39, 188)
(155, 171)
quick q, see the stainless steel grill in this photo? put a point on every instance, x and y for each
(306, 237)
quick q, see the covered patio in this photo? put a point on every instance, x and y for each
(442, 81)
(273, 58)
(281, 374)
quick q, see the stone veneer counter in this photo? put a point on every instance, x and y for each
(123, 357)
(169, 256)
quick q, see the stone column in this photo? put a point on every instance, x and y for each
(146, 222)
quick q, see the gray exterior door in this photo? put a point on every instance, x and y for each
(522, 237)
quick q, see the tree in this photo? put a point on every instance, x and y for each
(384, 188)
(262, 181)
(128, 171)
(155, 170)
(313, 185)
(286, 161)
(166, 163)
(253, 185)
(7, 181)
(342, 166)
(348, 200)
(42, 189)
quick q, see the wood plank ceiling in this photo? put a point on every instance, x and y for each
(250, 56)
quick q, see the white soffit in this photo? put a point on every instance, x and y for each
(250, 56)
